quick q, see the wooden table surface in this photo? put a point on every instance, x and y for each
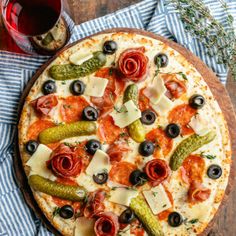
(83, 10)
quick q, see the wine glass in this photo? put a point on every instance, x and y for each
(37, 26)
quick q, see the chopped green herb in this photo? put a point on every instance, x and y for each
(111, 71)
(193, 221)
(120, 110)
(208, 156)
(56, 211)
(183, 75)
(124, 134)
(63, 82)
(154, 194)
(65, 106)
(164, 206)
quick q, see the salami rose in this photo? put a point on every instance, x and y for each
(64, 162)
(198, 193)
(94, 204)
(107, 224)
(157, 171)
(133, 63)
(44, 104)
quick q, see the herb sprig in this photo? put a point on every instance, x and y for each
(199, 22)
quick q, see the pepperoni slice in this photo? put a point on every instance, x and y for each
(107, 130)
(133, 63)
(71, 108)
(107, 224)
(175, 88)
(117, 150)
(192, 169)
(198, 193)
(157, 171)
(182, 115)
(38, 126)
(121, 171)
(44, 104)
(114, 88)
(159, 137)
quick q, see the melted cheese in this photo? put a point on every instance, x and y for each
(96, 86)
(37, 162)
(84, 227)
(163, 106)
(157, 199)
(99, 162)
(155, 90)
(87, 182)
(122, 196)
(130, 114)
(79, 57)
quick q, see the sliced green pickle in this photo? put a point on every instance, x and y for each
(68, 192)
(48, 39)
(136, 129)
(60, 132)
(70, 71)
(144, 214)
(187, 146)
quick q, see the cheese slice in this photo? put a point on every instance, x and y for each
(163, 106)
(122, 196)
(155, 90)
(79, 57)
(127, 116)
(99, 163)
(157, 199)
(96, 86)
(84, 227)
(37, 161)
(199, 124)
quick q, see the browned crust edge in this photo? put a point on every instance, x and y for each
(212, 81)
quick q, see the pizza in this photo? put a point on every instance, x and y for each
(121, 135)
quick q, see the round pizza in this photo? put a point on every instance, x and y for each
(120, 135)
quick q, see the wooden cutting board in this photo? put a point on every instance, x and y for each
(216, 87)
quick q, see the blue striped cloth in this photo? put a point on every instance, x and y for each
(16, 219)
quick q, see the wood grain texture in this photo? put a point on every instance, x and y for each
(82, 10)
(219, 92)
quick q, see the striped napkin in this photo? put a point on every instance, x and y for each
(16, 219)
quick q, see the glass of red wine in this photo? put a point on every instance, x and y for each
(37, 26)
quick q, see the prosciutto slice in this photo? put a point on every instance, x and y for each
(44, 104)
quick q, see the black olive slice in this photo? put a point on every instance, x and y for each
(197, 101)
(100, 178)
(214, 171)
(109, 47)
(49, 87)
(77, 87)
(137, 178)
(90, 113)
(146, 148)
(172, 130)
(161, 59)
(175, 219)
(148, 117)
(31, 146)
(66, 212)
(92, 146)
(127, 216)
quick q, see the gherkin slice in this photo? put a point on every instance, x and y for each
(187, 146)
(68, 192)
(70, 71)
(60, 132)
(144, 214)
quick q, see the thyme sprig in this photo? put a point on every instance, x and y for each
(199, 22)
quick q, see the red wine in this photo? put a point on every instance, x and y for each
(33, 17)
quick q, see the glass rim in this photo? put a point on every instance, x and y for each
(3, 6)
